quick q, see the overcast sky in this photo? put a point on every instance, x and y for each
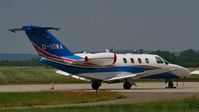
(93, 25)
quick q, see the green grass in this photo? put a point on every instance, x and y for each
(185, 105)
(193, 68)
(43, 75)
(52, 98)
(33, 75)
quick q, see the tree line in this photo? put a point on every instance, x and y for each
(31, 62)
(186, 58)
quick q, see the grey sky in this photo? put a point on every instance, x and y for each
(96, 25)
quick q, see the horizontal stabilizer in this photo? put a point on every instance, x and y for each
(73, 76)
(32, 28)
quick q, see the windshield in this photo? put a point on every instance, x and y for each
(165, 61)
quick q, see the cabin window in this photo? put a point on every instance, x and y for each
(146, 60)
(132, 60)
(124, 60)
(139, 60)
(158, 60)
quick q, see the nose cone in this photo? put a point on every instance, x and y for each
(179, 70)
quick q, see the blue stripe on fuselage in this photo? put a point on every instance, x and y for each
(166, 75)
(130, 69)
(78, 70)
(74, 57)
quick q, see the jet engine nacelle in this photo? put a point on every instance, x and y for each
(101, 59)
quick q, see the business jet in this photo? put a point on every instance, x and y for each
(101, 67)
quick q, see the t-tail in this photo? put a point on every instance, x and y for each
(46, 44)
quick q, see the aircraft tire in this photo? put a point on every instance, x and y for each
(95, 85)
(170, 84)
(127, 85)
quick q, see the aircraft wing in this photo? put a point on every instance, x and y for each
(196, 72)
(73, 76)
(137, 75)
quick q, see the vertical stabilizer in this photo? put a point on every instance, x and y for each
(44, 42)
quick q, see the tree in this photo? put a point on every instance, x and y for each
(167, 55)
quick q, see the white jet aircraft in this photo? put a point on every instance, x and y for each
(101, 67)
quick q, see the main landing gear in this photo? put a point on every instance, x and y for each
(127, 85)
(170, 84)
(96, 85)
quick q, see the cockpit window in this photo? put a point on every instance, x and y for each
(165, 61)
(158, 60)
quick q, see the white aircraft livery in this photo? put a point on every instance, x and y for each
(101, 67)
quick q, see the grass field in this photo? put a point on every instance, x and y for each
(42, 75)
(185, 105)
(52, 98)
(33, 75)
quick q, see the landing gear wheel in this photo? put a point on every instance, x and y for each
(170, 84)
(127, 85)
(96, 85)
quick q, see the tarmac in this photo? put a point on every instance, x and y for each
(118, 87)
(144, 92)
